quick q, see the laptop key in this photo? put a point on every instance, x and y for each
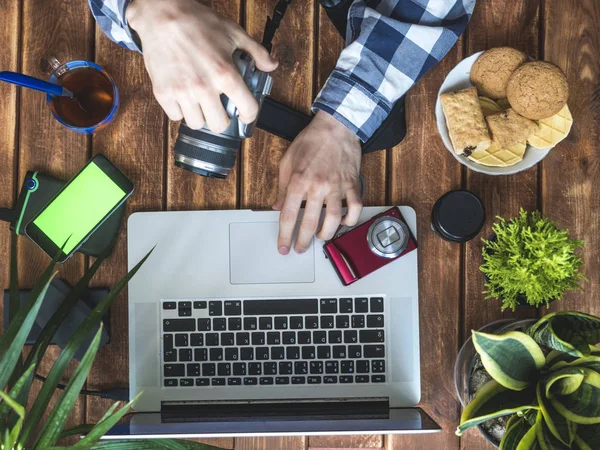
(316, 367)
(181, 340)
(185, 354)
(331, 379)
(378, 366)
(266, 380)
(347, 367)
(300, 367)
(378, 378)
(304, 337)
(212, 339)
(258, 338)
(327, 321)
(250, 323)
(242, 339)
(215, 308)
(324, 351)
(339, 351)
(174, 370)
(332, 367)
(296, 323)
(171, 382)
(289, 337)
(233, 308)
(227, 339)
(375, 321)
(335, 337)
(169, 305)
(200, 304)
(308, 352)
(193, 370)
(354, 351)
(298, 380)
(262, 353)
(285, 368)
(362, 378)
(186, 382)
(371, 336)
(234, 381)
(320, 337)
(239, 369)
(231, 354)
(358, 321)
(185, 304)
(169, 356)
(311, 322)
(282, 380)
(196, 339)
(314, 380)
(224, 369)
(342, 321)
(273, 338)
(250, 381)
(345, 305)
(216, 354)
(184, 312)
(376, 304)
(202, 381)
(346, 379)
(270, 368)
(280, 307)
(328, 306)
(350, 337)
(234, 324)
(218, 381)
(281, 323)
(174, 325)
(203, 325)
(374, 351)
(255, 368)
(362, 366)
(293, 352)
(277, 353)
(247, 354)
(200, 354)
(265, 323)
(219, 324)
(361, 305)
(168, 342)
(209, 369)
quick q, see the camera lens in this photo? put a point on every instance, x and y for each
(206, 153)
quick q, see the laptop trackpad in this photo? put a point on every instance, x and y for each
(254, 259)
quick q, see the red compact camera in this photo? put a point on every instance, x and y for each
(367, 247)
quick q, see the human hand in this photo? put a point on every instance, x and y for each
(321, 166)
(188, 52)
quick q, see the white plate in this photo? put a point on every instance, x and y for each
(460, 78)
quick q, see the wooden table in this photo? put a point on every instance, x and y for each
(565, 186)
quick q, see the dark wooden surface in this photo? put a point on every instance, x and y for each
(565, 186)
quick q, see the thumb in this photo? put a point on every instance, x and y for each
(264, 61)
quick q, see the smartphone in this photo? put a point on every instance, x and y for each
(79, 208)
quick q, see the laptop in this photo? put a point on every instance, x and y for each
(229, 338)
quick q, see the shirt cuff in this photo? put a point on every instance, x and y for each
(353, 103)
(112, 21)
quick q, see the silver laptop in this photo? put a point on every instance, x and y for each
(229, 338)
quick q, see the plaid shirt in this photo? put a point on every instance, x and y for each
(390, 45)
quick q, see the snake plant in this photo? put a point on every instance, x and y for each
(547, 379)
(36, 426)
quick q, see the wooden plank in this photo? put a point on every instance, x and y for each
(513, 24)
(421, 171)
(271, 443)
(10, 18)
(63, 30)
(366, 441)
(570, 174)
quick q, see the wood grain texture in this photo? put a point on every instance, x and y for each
(64, 30)
(421, 171)
(571, 173)
(366, 441)
(271, 443)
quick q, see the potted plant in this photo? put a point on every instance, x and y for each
(545, 380)
(529, 260)
(21, 426)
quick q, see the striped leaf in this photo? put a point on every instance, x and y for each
(588, 437)
(583, 405)
(516, 428)
(545, 438)
(513, 359)
(529, 441)
(559, 426)
(555, 356)
(564, 381)
(586, 362)
(567, 331)
(494, 400)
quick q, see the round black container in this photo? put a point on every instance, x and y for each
(458, 216)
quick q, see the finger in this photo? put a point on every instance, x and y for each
(242, 98)
(354, 207)
(217, 119)
(333, 217)
(310, 222)
(284, 180)
(169, 106)
(263, 60)
(194, 118)
(288, 217)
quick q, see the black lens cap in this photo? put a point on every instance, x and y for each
(458, 216)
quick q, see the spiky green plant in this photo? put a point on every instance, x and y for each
(554, 400)
(530, 258)
(23, 428)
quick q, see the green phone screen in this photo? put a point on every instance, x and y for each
(79, 207)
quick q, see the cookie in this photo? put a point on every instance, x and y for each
(491, 71)
(537, 90)
(552, 130)
(509, 128)
(464, 118)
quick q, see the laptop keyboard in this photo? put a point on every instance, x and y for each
(273, 342)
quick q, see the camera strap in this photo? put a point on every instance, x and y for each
(273, 23)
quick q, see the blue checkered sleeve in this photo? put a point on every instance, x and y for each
(391, 44)
(110, 15)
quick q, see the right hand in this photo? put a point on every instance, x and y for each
(188, 52)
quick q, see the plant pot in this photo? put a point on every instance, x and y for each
(469, 372)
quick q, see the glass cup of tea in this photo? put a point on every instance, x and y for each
(95, 100)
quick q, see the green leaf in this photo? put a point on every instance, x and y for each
(586, 362)
(513, 359)
(494, 400)
(14, 392)
(529, 441)
(76, 431)
(59, 414)
(559, 426)
(61, 363)
(546, 440)
(588, 437)
(583, 405)
(555, 356)
(567, 331)
(564, 381)
(154, 444)
(516, 428)
(20, 410)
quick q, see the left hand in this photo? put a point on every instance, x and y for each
(321, 166)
